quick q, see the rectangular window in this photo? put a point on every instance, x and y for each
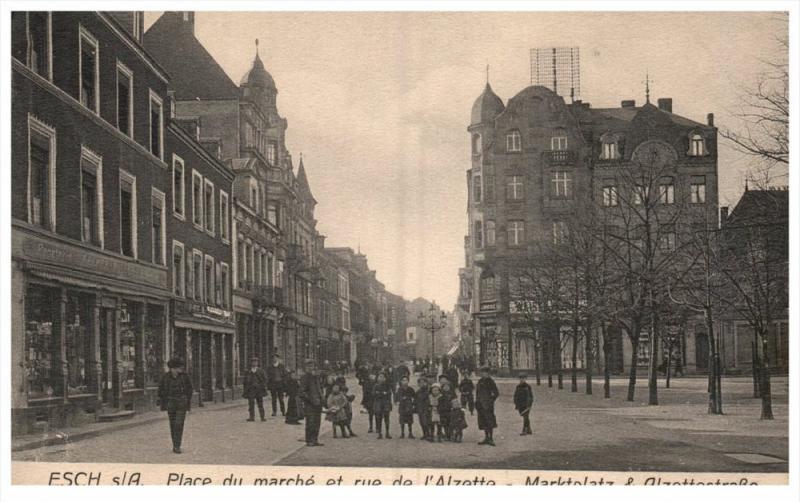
(609, 151)
(178, 269)
(41, 174)
(178, 191)
(697, 190)
(478, 234)
(209, 280)
(640, 194)
(224, 220)
(40, 49)
(667, 241)
(559, 232)
(476, 188)
(666, 193)
(224, 285)
(516, 233)
(272, 213)
(91, 198)
(558, 143)
(127, 214)
(490, 233)
(610, 197)
(208, 204)
(158, 227)
(514, 141)
(88, 74)
(197, 274)
(197, 199)
(514, 188)
(561, 185)
(241, 264)
(272, 153)
(124, 100)
(488, 189)
(156, 126)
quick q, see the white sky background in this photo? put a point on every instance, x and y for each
(379, 103)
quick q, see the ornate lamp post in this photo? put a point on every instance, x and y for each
(432, 323)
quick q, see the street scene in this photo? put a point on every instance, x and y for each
(388, 239)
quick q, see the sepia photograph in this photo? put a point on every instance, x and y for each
(445, 247)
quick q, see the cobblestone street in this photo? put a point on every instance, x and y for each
(571, 431)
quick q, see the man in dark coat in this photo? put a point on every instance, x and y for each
(254, 388)
(175, 397)
(485, 396)
(523, 402)
(311, 393)
(276, 384)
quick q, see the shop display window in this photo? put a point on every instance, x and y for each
(42, 342)
(152, 345)
(78, 328)
(127, 345)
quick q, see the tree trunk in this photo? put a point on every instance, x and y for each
(589, 356)
(632, 377)
(606, 362)
(715, 402)
(574, 372)
(669, 364)
(765, 383)
(536, 362)
(754, 350)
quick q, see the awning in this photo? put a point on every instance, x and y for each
(454, 349)
(44, 272)
(199, 326)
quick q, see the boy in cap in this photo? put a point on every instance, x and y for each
(175, 397)
(523, 402)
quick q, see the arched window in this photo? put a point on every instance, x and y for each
(476, 144)
(697, 145)
(610, 147)
(514, 141)
(478, 234)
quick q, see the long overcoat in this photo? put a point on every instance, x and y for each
(485, 396)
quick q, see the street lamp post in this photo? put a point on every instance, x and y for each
(432, 323)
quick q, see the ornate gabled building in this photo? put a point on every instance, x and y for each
(535, 161)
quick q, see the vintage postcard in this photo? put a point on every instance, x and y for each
(394, 246)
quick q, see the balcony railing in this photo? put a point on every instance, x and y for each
(270, 295)
(560, 157)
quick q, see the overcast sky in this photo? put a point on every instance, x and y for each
(379, 103)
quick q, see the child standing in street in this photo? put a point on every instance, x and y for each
(405, 407)
(447, 397)
(467, 388)
(523, 402)
(423, 405)
(436, 425)
(337, 412)
(458, 422)
(382, 404)
(348, 410)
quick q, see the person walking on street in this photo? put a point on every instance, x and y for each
(175, 397)
(523, 402)
(276, 384)
(294, 412)
(467, 388)
(254, 388)
(311, 394)
(405, 407)
(485, 395)
(382, 404)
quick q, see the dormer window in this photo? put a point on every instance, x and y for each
(697, 145)
(558, 143)
(476, 144)
(514, 141)
(610, 151)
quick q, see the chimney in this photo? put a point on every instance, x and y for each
(628, 103)
(665, 104)
(723, 215)
(710, 119)
(188, 19)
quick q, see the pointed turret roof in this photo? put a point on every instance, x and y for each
(487, 106)
(257, 75)
(302, 181)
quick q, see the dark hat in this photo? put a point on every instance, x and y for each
(175, 362)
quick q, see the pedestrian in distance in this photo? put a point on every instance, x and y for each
(423, 407)
(467, 389)
(294, 412)
(458, 421)
(445, 400)
(436, 425)
(523, 402)
(175, 397)
(254, 388)
(405, 398)
(368, 398)
(337, 410)
(486, 394)
(382, 404)
(311, 393)
(276, 376)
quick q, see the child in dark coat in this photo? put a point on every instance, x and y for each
(294, 412)
(458, 422)
(349, 410)
(467, 388)
(368, 397)
(486, 394)
(405, 398)
(523, 402)
(382, 404)
(423, 406)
